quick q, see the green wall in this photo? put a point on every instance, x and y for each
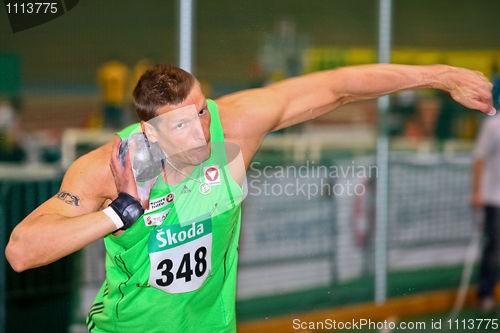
(70, 48)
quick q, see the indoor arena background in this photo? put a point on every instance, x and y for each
(308, 237)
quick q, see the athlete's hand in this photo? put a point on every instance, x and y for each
(123, 174)
(469, 88)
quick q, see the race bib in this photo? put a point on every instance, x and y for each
(180, 256)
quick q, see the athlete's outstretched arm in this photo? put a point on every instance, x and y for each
(70, 220)
(299, 99)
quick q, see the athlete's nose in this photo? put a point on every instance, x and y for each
(198, 134)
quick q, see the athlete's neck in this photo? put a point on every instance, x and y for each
(173, 174)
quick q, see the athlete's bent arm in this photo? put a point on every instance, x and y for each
(257, 111)
(68, 221)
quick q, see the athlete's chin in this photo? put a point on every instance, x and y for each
(199, 155)
(202, 156)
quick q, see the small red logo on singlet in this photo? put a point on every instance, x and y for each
(212, 175)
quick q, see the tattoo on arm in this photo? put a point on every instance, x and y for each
(68, 198)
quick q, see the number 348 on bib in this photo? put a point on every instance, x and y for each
(180, 256)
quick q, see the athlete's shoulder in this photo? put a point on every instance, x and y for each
(131, 129)
(234, 110)
(247, 113)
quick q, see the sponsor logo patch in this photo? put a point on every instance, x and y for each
(212, 175)
(160, 202)
(156, 219)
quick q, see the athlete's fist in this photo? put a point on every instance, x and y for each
(136, 164)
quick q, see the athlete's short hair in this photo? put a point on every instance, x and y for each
(161, 85)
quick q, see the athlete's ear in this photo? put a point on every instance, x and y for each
(149, 130)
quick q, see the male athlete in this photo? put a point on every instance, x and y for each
(171, 257)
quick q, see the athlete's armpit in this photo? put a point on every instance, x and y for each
(68, 198)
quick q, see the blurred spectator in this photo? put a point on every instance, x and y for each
(7, 117)
(486, 197)
(255, 74)
(422, 123)
(446, 119)
(112, 77)
(9, 147)
(282, 52)
(139, 68)
(428, 109)
(206, 87)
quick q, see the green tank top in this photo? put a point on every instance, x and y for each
(174, 270)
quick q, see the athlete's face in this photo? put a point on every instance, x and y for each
(183, 130)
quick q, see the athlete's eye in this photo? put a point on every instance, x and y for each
(180, 125)
(202, 112)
